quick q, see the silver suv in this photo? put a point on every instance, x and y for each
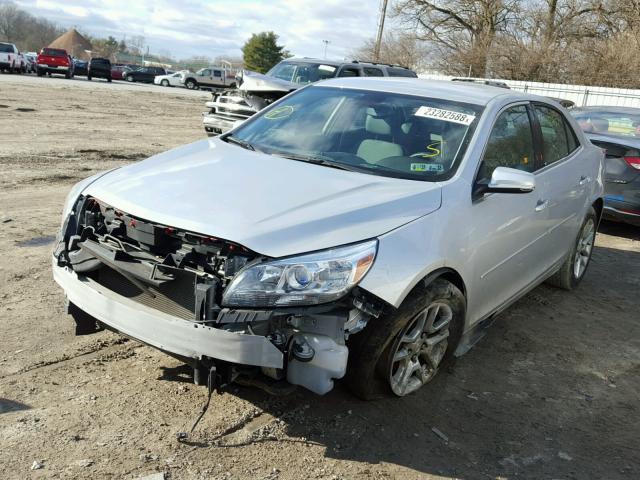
(255, 91)
(367, 227)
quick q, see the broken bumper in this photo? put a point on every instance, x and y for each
(215, 125)
(163, 331)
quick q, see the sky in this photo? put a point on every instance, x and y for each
(185, 28)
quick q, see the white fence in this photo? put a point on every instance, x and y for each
(582, 95)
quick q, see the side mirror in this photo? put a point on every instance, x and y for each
(508, 180)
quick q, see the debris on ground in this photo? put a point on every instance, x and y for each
(442, 436)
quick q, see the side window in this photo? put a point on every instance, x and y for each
(206, 73)
(217, 73)
(349, 72)
(510, 143)
(558, 139)
(373, 72)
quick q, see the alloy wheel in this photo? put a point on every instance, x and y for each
(420, 349)
(584, 248)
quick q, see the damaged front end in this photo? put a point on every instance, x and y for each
(212, 302)
(255, 91)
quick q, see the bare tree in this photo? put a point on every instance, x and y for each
(463, 32)
(399, 48)
(12, 22)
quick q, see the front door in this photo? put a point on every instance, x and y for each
(507, 240)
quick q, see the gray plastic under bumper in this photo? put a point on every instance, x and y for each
(163, 331)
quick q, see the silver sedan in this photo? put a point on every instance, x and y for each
(362, 227)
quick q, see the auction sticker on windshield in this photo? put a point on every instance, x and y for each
(446, 115)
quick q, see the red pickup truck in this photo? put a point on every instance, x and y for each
(54, 60)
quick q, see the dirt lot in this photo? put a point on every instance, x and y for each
(552, 391)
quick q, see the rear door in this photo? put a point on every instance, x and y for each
(218, 78)
(564, 179)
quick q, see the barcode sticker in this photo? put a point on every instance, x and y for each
(446, 115)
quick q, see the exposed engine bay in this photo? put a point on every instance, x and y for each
(184, 274)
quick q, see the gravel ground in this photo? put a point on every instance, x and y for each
(551, 392)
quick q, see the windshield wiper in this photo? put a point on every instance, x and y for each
(315, 160)
(241, 143)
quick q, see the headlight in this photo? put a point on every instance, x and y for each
(309, 279)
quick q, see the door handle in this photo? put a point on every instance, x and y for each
(541, 205)
(584, 180)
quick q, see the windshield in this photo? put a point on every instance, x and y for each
(626, 124)
(54, 52)
(6, 48)
(302, 73)
(380, 133)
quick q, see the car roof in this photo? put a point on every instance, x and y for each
(337, 63)
(464, 92)
(608, 109)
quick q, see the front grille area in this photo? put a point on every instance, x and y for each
(176, 298)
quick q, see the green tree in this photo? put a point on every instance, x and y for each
(261, 52)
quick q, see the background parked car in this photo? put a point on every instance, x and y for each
(31, 60)
(170, 80)
(80, 67)
(10, 58)
(119, 71)
(617, 131)
(99, 68)
(55, 60)
(144, 74)
(211, 77)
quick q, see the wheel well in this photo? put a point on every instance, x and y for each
(448, 274)
(598, 206)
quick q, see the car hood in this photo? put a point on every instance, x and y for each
(271, 205)
(249, 81)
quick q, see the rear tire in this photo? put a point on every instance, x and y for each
(191, 84)
(89, 77)
(129, 78)
(164, 83)
(109, 79)
(399, 352)
(575, 266)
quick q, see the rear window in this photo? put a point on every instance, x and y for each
(401, 72)
(100, 61)
(54, 52)
(6, 48)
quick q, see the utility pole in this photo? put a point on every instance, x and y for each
(326, 43)
(383, 14)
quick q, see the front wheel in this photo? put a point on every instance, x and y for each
(129, 78)
(401, 351)
(89, 77)
(574, 267)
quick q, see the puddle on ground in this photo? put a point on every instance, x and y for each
(37, 241)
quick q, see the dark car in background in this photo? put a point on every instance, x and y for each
(99, 68)
(144, 74)
(80, 67)
(617, 131)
